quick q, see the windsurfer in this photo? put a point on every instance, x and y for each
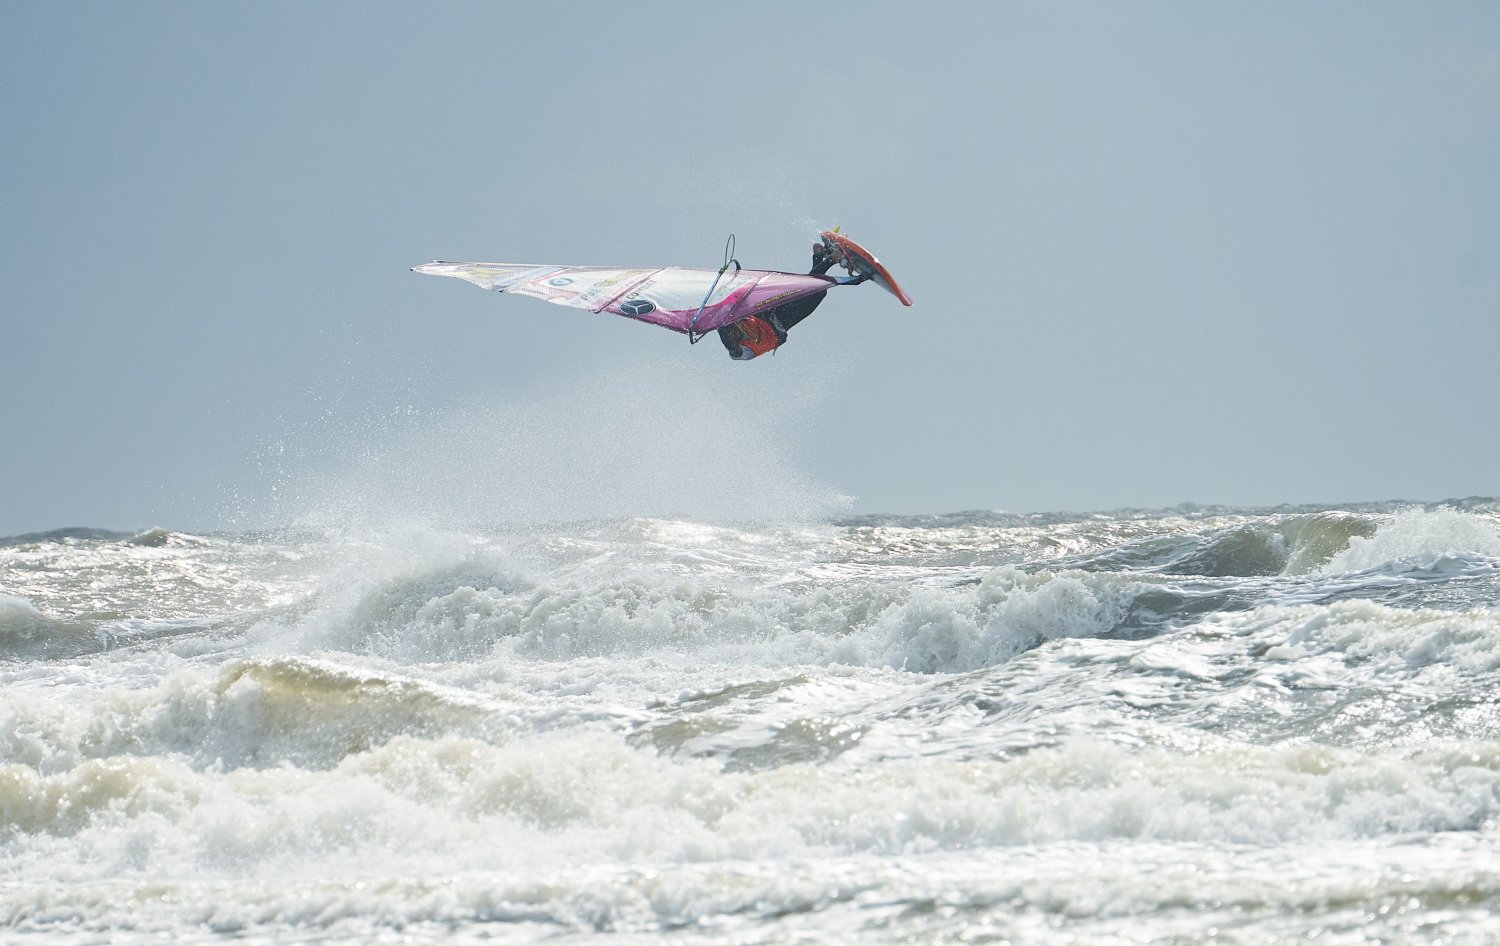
(766, 331)
(764, 304)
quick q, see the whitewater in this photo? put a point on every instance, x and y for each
(1190, 725)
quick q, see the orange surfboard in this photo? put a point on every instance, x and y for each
(861, 261)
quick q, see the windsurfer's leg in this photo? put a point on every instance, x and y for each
(785, 316)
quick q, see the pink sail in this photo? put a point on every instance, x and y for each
(669, 297)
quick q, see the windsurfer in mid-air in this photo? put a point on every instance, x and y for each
(766, 331)
(752, 309)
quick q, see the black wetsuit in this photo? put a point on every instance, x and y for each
(781, 318)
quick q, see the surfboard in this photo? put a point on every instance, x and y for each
(861, 261)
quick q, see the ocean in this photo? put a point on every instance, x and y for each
(1190, 725)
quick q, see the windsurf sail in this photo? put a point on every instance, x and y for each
(670, 297)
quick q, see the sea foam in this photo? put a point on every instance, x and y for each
(1420, 538)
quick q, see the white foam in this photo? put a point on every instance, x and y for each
(666, 728)
(1419, 538)
(1008, 612)
(1369, 639)
(297, 847)
(488, 603)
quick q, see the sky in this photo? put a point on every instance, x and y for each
(1160, 252)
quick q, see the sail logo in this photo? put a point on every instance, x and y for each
(637, 307)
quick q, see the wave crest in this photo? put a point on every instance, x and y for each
(27, 633)
(1420, 539)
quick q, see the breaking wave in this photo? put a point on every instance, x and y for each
(1420, 539)
(473, 611)
(26, 632)
(665, 728)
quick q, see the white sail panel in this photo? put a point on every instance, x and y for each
(581, 287)
(682, 290)
(496, 276)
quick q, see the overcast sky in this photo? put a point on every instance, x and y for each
(1161, 252)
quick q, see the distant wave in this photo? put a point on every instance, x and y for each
(62, 535)
(147, 537)
(1328, 542)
